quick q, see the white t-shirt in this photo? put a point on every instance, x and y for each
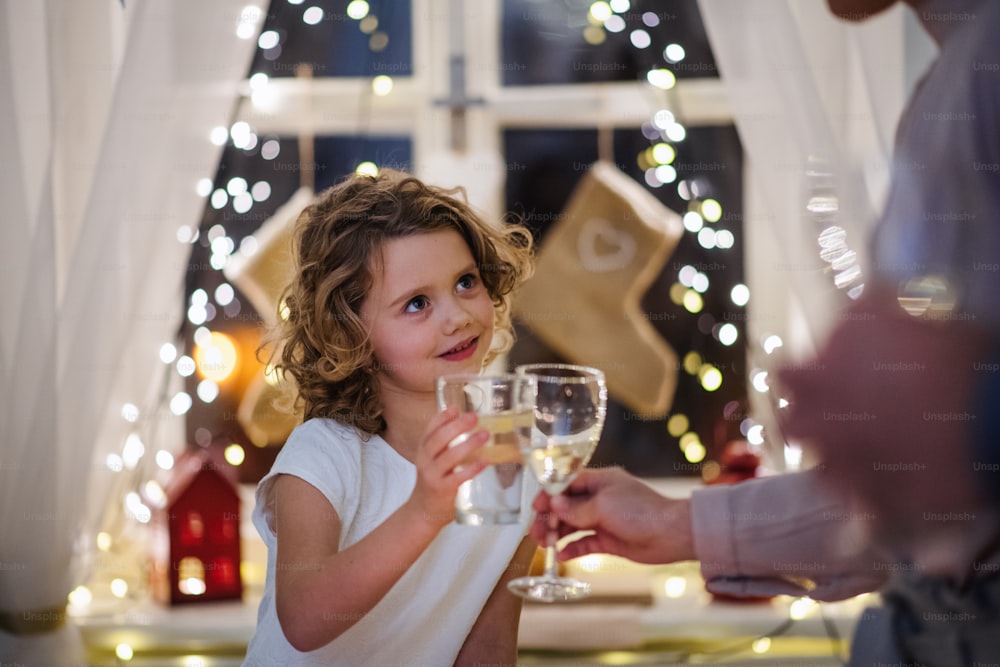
(426, 616)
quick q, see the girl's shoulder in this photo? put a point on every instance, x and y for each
(324, 427)
(340, 444)
(326, 438)
(324, 454)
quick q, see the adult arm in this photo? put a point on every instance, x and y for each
(779, 535)
(783, 535)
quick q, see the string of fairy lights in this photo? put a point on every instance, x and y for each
(142, 465)
(141, 468)
(702, 218)
(665, 131)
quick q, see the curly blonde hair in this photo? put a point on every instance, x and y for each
(321, 341)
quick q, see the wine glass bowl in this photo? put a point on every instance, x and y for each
(569, 412)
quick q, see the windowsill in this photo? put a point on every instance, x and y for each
(634, 607)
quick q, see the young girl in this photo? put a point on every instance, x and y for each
(396, 283)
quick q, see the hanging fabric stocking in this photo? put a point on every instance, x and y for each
(591, 273)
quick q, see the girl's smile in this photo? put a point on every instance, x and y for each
(428, 312)
(462, 351)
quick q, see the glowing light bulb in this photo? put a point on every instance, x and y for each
(358, 9)
(382, 85)
(80, 596)
(677, 424)
(674, 587)
(695, 452)
(600, 11)
(234, 454)
(711, 378)
(217, 359)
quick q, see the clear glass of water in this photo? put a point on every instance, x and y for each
(504, 405)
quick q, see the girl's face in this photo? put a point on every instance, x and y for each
(428, 312)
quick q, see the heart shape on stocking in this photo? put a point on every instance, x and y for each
(603, 247)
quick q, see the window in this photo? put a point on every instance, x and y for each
(527, 84)
(192, 529)
(221, 573)
(557, 43)
(191, 576)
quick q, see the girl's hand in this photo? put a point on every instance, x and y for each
(442, 468)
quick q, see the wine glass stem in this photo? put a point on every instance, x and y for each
(551, 568)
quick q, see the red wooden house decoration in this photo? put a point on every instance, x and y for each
(197, 539)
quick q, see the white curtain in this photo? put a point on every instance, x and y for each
(106, 107)
(815, 102)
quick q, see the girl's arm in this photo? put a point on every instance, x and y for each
(319, 591)
(493, 638)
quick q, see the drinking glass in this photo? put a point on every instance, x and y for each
(503, 404)
(570, 406)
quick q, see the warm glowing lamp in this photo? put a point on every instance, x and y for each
(216, 359)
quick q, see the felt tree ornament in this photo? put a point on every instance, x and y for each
(261, 278)
(591, 272)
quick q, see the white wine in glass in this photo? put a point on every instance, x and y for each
(503, 404)
(570, 407)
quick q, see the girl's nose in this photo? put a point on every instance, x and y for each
(456, 317)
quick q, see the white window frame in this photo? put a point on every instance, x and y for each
(414, 108)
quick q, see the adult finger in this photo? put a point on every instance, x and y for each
(588, 544)
(539, 528)
(581, 512)
(587, 482)
(542, 502)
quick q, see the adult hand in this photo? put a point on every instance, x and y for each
(887, 406)
(626, 516)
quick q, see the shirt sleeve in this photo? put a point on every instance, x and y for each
(782, 535)
(320, 456)
(940, 219)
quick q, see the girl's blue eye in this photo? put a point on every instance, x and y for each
(416, 304)
(468, 281)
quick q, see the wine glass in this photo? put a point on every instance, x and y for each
(570, 407)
